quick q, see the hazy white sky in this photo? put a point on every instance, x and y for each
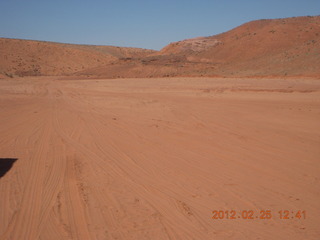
(137, 23)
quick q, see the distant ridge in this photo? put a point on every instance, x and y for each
(268, 47)
(41, 58)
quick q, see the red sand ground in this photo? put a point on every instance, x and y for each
(152, 158)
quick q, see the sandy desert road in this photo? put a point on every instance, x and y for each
(155, 158)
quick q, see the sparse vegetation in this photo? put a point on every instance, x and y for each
(10, 75)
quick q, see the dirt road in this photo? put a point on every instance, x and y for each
(153, 158)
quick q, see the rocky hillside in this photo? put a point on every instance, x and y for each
(269, 47)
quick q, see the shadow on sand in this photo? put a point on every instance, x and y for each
(5, 165)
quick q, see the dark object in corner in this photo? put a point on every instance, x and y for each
(5, 165)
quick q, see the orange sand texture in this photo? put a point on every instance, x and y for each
(152, 158)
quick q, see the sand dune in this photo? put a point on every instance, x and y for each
(152, 158)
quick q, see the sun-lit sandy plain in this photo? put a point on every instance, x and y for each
(152, 158)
